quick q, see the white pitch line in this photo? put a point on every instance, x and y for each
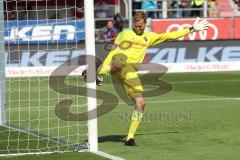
(181, 100)
(173, 82)
(207, 81)
(187, 100)
(109, 156)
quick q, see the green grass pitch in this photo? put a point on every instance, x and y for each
(198, 120)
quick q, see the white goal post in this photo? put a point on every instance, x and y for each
(2, 68)
(91, 74)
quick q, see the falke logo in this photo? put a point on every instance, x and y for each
(43, 32)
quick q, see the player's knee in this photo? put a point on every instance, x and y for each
(115, 67)
(140, 104)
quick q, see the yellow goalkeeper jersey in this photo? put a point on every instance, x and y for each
(134, 46)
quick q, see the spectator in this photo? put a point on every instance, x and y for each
(212, 5)
(183, 5)
(101, 9)
(137, 4)
(79, 10)
(197, 5)
(175, 5)
(148, 6)
(111, 32)
(159, 6)
(107, 33)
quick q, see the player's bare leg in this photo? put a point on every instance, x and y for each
(135, 119)
(139, 102)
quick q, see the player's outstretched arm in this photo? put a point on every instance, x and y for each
(199, 25)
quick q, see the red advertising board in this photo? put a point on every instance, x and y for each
(237, 28)
(219, 28)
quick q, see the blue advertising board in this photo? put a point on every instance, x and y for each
(44, 31)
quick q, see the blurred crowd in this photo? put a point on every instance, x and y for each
(103, 10)
(15, 11)
(176, 8)
(112, 24)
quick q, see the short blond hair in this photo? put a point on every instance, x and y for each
(139, 15)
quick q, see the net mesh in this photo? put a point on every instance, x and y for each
(39, 37)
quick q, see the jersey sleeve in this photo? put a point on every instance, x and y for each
(105, 68)
(158, 38)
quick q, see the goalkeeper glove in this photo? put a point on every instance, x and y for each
(99, 78)
(199, 25)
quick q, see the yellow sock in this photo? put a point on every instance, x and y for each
(135, 120)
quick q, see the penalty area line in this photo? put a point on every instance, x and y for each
(193, 100)
(188, 100)
(204, 81)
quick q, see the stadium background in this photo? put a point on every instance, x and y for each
(216, 50)
(67, 13)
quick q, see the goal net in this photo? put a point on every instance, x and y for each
(44, 109)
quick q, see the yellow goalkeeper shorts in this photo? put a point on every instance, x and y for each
(131, 82)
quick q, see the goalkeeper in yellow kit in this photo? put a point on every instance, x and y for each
(129, 51)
